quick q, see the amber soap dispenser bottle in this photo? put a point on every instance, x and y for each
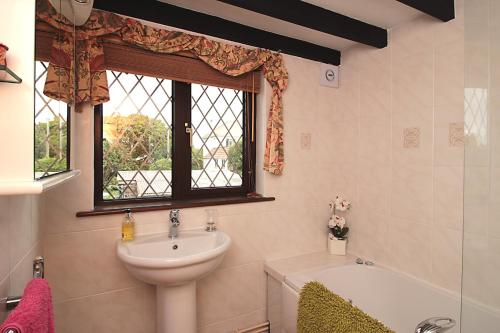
(128, 226)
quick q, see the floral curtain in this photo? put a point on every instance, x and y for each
(90, 84)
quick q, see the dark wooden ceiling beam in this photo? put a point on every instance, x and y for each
(163, 13)
(441, 9)
(317, 18)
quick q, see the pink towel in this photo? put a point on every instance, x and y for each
(34, 314)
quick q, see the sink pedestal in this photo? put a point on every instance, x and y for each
(176, 308)
(174, 266)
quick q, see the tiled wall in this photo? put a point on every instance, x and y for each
(93, 291)
(387, 140)
(399, 148)
(482, 153)
(20, 243)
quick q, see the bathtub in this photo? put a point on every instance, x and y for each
(398, 300)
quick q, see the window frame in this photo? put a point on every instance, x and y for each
(181, 154)
(68, 137)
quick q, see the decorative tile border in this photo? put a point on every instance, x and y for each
(411, 137)
(456, 135)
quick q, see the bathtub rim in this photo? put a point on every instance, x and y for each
(456, 296)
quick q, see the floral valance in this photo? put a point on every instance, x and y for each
(81, 77)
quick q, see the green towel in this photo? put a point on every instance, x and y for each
(321, 311)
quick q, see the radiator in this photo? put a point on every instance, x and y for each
(261, 328)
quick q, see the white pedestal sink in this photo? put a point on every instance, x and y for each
(174, 265)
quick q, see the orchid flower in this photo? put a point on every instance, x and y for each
(336, 220)
(341, 204)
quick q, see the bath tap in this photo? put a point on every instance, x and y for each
(435, 325)
(174, 223)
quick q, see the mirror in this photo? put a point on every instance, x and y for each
(52, 116)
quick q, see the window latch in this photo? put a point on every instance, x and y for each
(189, 131)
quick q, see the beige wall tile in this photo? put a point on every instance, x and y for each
(414, 256)
(374, 68)
(492, 273)
(369, 236)
(375, 188)
(476, 43)
(412, 87)
(119, 311)
(451, 31)
(475, 259)
(36, 219)
(494, 204)
(411, 137)
(447, 258)
(448, 197)
(409, 197)
(236, 323)
(449, 73)
(375, 141)
(412, 193)
(4, 238)
(84, 263)
(4, 292)
(494, 127)
(375, 100)
(448, 120)
(22, 272)
(413, 37)
(20, 227)
(232, 292)
(245, 248)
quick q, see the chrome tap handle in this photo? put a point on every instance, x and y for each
(174, 217)
(435, 325)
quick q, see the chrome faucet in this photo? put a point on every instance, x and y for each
(435, 325)
(174, 223)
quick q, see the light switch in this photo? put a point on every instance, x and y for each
(305, 141)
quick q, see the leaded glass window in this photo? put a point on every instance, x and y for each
(51, 129)
(158, 139)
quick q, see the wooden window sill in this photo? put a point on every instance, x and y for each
(148, 207)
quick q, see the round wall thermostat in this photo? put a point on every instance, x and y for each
(330, 75)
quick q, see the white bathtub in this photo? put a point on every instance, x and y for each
(394, 298)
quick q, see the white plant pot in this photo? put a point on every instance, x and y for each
(337, 246)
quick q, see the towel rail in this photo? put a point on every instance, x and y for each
(10, 302)
(38, 272)
(39, 267)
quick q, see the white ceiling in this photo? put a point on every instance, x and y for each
(382, 13)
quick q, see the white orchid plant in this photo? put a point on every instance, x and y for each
(336, 224)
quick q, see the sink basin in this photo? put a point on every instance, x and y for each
(160, 260)
(174, 265)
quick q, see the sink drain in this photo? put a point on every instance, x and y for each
(175, 247)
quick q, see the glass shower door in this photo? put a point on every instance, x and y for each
(481, 243)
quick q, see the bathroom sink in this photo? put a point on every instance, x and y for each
(174, 266)
(160, 260)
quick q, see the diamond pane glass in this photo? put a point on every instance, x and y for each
(217, 149)
(137, 137)
(476, 116)
(51, 129)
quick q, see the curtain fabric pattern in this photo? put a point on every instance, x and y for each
(87, 64)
